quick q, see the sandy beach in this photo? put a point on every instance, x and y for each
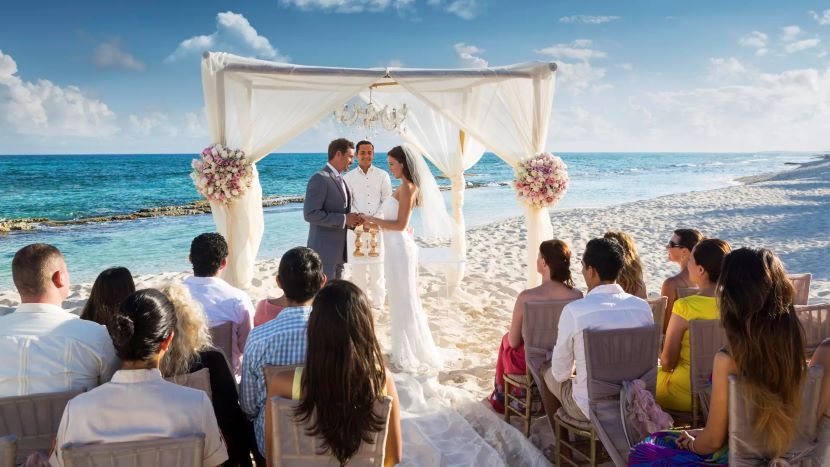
(788, 212)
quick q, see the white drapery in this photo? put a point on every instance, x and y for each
(257, 105)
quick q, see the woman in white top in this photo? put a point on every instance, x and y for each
(138, 404)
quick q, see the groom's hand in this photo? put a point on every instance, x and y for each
(353, 220)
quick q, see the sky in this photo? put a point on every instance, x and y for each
(704, 76)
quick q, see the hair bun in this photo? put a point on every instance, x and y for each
(121, 329)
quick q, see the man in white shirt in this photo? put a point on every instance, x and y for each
(606, 306)
(43, 348)
(370, 186)
(221, 301)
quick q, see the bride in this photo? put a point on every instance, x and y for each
(412, 346)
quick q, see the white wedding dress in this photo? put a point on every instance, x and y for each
(412, 347)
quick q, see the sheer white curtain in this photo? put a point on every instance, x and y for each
(257, 106)
(506, 109)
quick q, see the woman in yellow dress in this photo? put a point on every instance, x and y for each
(674, 378)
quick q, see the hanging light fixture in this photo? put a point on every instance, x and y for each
(370, 115)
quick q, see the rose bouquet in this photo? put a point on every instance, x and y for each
(222, 174)
(541, 181)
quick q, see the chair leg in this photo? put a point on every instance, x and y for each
(593, 449)
(558, 435)
(528, 406)
(506, 401)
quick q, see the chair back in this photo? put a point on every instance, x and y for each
(540, 327)
(745, 449)
(611, 357)
(706, 338)
(801, 282)
(222, 337)
(683, 292)
(292, 447)
(270, 372)
(184, 451)
(199, 379)
(658, 310)
(8, 448)
(33, 420)
(815, 319)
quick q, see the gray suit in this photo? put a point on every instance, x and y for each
(325, 210)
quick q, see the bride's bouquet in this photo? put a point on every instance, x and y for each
(222, 174)
(541, 181)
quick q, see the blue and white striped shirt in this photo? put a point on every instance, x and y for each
(281, 341)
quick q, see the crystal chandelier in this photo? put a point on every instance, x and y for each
(370, 115)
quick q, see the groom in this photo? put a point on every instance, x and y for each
(327, 209)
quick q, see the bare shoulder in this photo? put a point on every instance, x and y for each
(282, 384)
(724, 364)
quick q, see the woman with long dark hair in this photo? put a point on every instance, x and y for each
(111, 287)
(554, 264)
(343, 375)
(138, 404)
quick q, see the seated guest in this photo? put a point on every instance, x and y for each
(554, 264)
(679, 250)
(674, 379)
(606, 306)
(631, 276)
(283, 340)
(62, 352)
(221, 301)
(138, 404)
(191, 351)
(268, 309)
(111, 287)
(342, 319)
(765, 349)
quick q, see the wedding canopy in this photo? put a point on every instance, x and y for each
(454, 116)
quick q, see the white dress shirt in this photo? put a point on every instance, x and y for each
(45, 349)
(369, 189)
(224, 303)
(139, 405)
(605, 307)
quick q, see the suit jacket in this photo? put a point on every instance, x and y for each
(325, 210)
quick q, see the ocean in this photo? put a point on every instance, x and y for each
(66, 187)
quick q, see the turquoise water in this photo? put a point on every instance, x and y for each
(71, 187)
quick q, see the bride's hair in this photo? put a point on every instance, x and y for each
(399, 155)
(344, 373)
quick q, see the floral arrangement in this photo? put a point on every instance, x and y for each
(541, 180)
(222, 174)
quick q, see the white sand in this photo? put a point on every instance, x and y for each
(788, 213)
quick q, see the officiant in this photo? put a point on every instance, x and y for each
(370, 186)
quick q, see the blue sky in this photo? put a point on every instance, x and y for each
(121, 77)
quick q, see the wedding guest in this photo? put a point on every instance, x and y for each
(342, 319)
(111, 287)
(192, 351)
(268, 309)
(679, 250)
(62, 352)
(138, 404)
(554, 264)
(369, 186)
(631, 276)
(221, 301)
(606, 306)
(765, 349)
(283, 340)
(674, 378)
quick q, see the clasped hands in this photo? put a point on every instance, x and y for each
(354, 219)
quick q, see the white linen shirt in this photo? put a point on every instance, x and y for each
(224, 303)
(46, 349)
(369, 189)
(605, 307)
(139, 405)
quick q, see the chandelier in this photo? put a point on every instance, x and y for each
(370, 115)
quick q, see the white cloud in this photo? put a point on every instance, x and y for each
(726, 69)
(577, 77)
(233, 34)
(578, 125)
(626, 66)
(468, 55)
(588, 19)
(195, 125)
(465, 9)
(43, 108)
(755, 40)
(823, 18)
(802, 45)
(347, 6)
(111, 55)
(146, 125)
(790, 33)
(578, 50)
